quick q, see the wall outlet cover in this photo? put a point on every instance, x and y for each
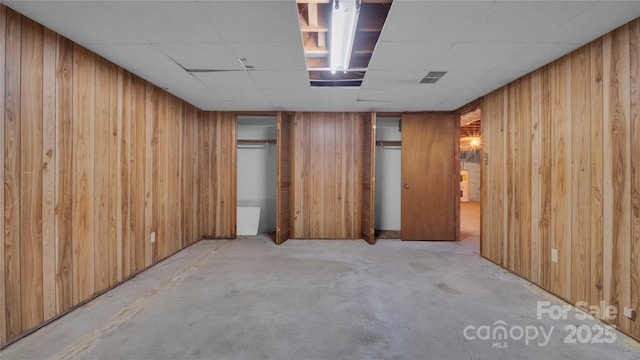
(630, 313)
(554, 255)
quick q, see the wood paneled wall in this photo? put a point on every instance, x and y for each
(95, 159)
(327, 175)
(562, 171)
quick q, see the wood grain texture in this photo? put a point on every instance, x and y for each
(101, 140)
(83, 173)
(187, 179)
(283, 189)
(584, 194)
(162, 179)
(3, 300)
(596, 146)
(561, 176)
(580, 175)
(175, 144)
(512, 157)
(148, 176)
(114, 129)
(428, 172)
(124, 186)
(535, 174)
(12, 173)
(138, 195)
(616, 118)
(31, 175)
(368, 177)
(634, 48)
(64, 184)
(334, 140)
(545, 177)
(82, 191)
(48, 174)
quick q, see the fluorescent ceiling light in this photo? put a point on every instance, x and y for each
(344, 19)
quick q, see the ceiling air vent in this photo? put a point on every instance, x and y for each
(433, 77)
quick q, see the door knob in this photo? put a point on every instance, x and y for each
(406, 186)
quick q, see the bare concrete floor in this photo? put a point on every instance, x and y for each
(308, 299)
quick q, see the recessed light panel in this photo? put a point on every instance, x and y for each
(346, 31)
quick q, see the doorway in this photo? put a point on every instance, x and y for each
(388, 178)
(470, 175)
(256, 174)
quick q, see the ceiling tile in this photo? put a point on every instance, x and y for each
(135, 57)
(461, 97)
(407, 55)
(165, 21)
(390, 79)
(535, 56)
(202, 56)
(431, 21)
(461, 78)
(523, 21)
(497, 78)
(482, 45)
(81, 21)
(166, 79)
(477, 56)
(254, 21)
(201, 98)
(390, 95)
(223, 80)
(594, 22)
(280, 79)
(272, 56)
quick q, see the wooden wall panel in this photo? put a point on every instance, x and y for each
(149, 200)
(326, 146)
(584, 175)
(534, 169)
(83, 173)
(124, 186)
(596, 153)
(13, 45)
(561, 176)
(101, 175)
(3, 302)
(546, 150)
(580, 175)
(616, 82)
(114, 161)
(31, 174)
(218, 155)
(634, 40)
(108, 159)
(48, 174)
(188, 178)
(64, 185)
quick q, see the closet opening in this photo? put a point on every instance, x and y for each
(388, 191)
(256, 176)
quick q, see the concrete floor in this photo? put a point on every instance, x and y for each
(251, 299)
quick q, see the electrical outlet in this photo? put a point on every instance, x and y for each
(630, 313)
(554, 255)
(153, 237)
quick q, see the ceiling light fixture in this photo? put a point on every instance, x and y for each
(344, 19)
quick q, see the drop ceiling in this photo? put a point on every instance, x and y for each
(481, 44)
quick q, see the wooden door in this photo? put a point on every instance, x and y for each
(283, 192)
(368, 177)
(430, 177)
